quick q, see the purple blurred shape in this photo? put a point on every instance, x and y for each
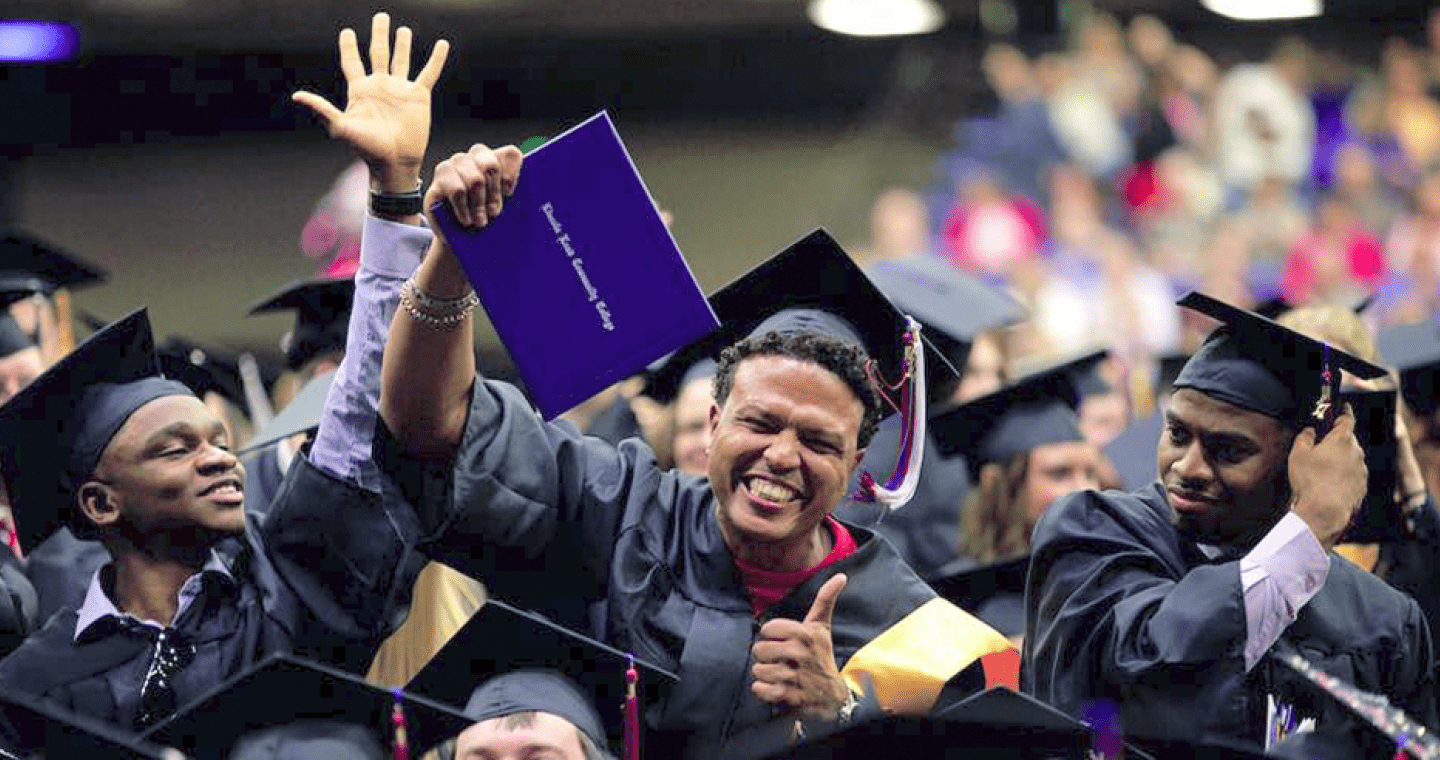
(37, 41)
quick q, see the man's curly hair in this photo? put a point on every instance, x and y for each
(842, 358)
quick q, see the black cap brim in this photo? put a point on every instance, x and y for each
(944, 299)
(501, 638)
(36, 727)
(284, 689)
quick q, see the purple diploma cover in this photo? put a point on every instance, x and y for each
(579, 275)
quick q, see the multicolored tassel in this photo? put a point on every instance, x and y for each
(632, 712)
(402, 732)
(900, 486)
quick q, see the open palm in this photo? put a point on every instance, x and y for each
(387, 117)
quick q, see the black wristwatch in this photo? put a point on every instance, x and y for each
(396, 204)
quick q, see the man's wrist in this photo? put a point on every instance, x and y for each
(395, 178)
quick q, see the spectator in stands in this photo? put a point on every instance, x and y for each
(1337, 261)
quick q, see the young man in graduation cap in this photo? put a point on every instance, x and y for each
(1168, 599)
(197, 589)
(739, 584)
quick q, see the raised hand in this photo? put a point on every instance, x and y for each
(795, 661)
(387, 115)
(1328, 479)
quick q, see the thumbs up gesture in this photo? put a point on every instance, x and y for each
(795, 661)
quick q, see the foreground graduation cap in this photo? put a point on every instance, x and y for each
(283, 690)
(1033, 411)
(35, 728)
(53, 432)
(954, 307)
(1256, 364)
(31, 266)
(301, 415)
(815, 285)
(994, 593)
(322, 317)
(501, 638)
(1414, 350)
(997, 723)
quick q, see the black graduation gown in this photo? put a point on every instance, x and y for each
(555, 520)
(926, 531)
(327, 574)
(1118, 606)
(1412, 564)
(262, 478)
(17, 603)
(60, 568)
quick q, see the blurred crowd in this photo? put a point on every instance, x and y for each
(1130, 168)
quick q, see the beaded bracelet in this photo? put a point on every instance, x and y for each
(444, 322)
(438, 306)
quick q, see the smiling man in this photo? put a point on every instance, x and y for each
(779, 619)
(1168, 600)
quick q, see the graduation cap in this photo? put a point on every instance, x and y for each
(322, 317)
(201, 370)
(670, 374)
(500, 638)
(53, 432)
(997, 723)
(13, 340)
(1379, 518)
(1414, 350)
(1033, 411)
(287, 691)
(30, 266)
(954, 307)
(814, 286)
(1256, 364)
(1133, 452)
(300, 416)
(994, 593)
(38, 728)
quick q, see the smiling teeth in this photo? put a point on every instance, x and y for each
(768, 491)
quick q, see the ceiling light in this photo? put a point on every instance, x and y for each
(877, 18)
(37, 41)
(1264, 10)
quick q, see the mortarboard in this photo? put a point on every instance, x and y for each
(1379, 518)
(1256, 364)
(671, 373)
(322, 317)
(1169, 369)
(527, 690)
(1033, 411)
(994, 593)
(954, 307)
(996, 723)
(37, 728)
(300, 416)
(13, 340)
(29, 266)
(814, 286)
(285, 690)
(200, 370)
(1134, 451)
(500, 638)
(53, 432)
(1414, 350)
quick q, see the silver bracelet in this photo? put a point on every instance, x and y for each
(443, 322)
(439, 306)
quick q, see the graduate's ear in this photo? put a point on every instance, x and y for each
(99, 503)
